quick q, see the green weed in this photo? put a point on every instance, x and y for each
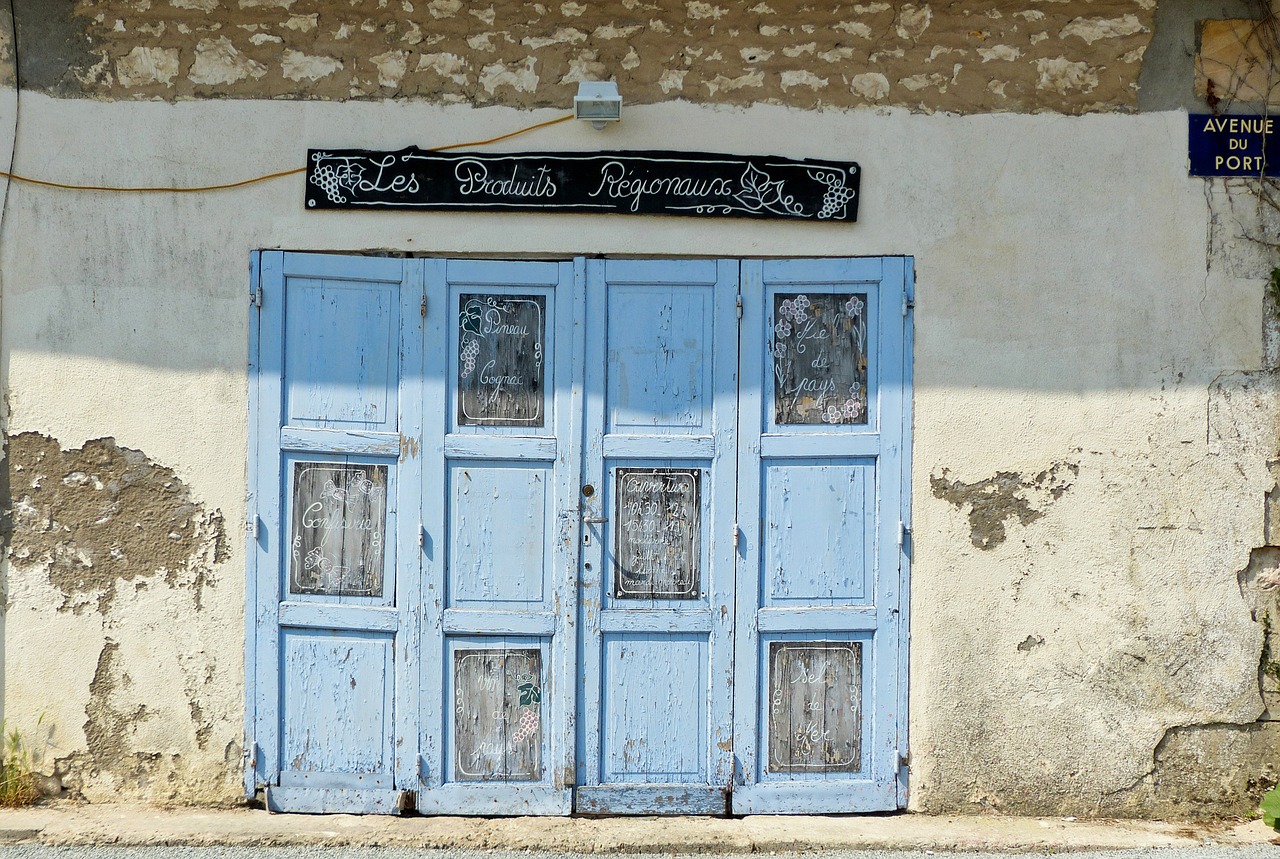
(17, 782)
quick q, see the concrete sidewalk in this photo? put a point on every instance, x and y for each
(98, 825)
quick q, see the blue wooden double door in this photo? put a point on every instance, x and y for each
(605, 536)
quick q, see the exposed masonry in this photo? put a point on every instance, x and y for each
(1007, 495)
(1071, 56)
(103, 515)
(103, 522)
(113, 715)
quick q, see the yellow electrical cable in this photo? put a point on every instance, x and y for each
(17, 178)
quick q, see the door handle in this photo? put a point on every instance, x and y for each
(594, 520)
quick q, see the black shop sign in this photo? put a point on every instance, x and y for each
(630, 183)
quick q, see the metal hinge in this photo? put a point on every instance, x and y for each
(904, 759)
(255, 297)
(422, 536)
(252, 524)
(907, 304)
(904, 533)
(424, 307)
(739, 305)
(253, 755)
(736, 532)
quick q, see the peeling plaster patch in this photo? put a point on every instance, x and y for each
(298, 66)
(1093, 29)
(444, 8)
(913, 21)
(1030, 643)
(725, 84)
(872, 86)
(521, 78)
(999, 52)
(1134, 56)
(218, 62)
(854, 28)
(102, 514)
(1005, 496)
(303, 23)
(1062, 75)
(198, 5)
(697, 10)
(672, 80)
(112, 760)
(915, 83)
(585, 67)
(562, 36)
(148, 66)
(1206, 771)
(450, 66)
(391, 67)
(106, 730)
(612, 31)
(806, 78)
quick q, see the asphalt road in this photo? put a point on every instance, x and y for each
(39, 852)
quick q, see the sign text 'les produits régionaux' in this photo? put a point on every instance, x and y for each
(633, 183)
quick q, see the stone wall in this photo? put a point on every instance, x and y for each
(1070, 56)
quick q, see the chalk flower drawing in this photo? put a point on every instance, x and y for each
(337, 530)
(812, 374)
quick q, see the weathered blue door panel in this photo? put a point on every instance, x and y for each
(818, 705)
(625, 536)
(503, 396)
(337, 369)
(657, 543)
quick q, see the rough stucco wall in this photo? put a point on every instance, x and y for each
(1071, 56)
(1082, 385)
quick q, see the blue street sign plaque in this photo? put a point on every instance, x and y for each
(1233, 145)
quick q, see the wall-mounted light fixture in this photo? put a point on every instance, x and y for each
(597, 103)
